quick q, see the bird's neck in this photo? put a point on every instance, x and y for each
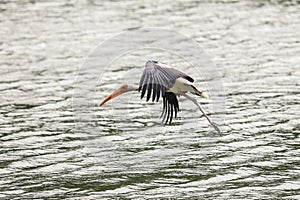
(132, 88)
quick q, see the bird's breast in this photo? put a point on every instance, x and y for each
(180, 85)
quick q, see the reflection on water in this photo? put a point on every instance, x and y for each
(255, 46)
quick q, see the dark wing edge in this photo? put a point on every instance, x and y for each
(189, 78)
(170, 107)
(183, 75)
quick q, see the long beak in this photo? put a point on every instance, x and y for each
(117, 92)
(112, 95)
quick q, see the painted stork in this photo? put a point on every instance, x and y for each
(160, 80)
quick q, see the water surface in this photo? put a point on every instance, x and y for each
(255, 46)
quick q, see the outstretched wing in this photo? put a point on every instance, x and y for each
(156, 79)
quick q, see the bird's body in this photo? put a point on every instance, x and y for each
(181, 86)
(160, 80)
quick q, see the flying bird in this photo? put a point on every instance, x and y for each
(160, 80)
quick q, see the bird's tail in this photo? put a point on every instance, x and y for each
(197, 92)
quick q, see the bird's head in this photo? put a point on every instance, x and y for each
(121, 90)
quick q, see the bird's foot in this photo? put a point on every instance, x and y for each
(215, 126)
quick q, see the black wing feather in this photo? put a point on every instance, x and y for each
(149, 89)
(157, 92)
(164, 108)
(171, 112)
(169, 105)
(154, 92)
(143, 91)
